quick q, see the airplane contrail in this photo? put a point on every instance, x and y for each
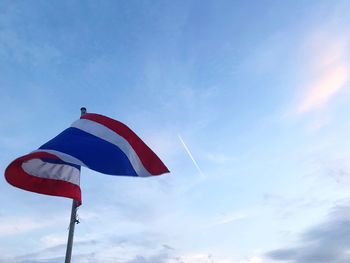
(191, 156)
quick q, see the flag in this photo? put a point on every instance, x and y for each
(94, 141)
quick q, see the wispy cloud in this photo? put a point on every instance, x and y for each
(328, 69)
(229, 218)
(339, 170)
(254, 260)
(191, 156)
(53, 254)
(53, 240)
(324, 88)
(208, 258)
(17, 225)
(13, 226)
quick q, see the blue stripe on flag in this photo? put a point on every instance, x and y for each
(57, 161)
(95, 152)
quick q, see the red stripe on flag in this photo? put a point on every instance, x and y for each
(148, 158)
(16, 176)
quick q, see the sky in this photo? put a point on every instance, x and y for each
(246, 102)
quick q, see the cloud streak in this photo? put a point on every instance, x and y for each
(191, 156)
(228, 218)
(14, 226)
(328, 69)
(324, 88)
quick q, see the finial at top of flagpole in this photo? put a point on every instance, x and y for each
(83, 110)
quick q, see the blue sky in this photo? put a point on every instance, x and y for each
(257, 91)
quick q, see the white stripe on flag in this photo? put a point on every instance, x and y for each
(110, 136)
(63, 172)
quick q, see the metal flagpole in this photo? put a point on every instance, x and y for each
(73, 219)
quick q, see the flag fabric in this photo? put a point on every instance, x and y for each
(94, 141)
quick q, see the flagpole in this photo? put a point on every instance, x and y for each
(73, 219)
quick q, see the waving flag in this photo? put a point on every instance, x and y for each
(94, 141)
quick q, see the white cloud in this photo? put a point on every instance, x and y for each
(13, 226)
(16, 225)
(193, 258)
(229, 218)
(53, 240)
(327, 70)
(254, 260)
(324, 87)
(207, 258)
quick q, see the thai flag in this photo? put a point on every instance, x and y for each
(94, 141)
